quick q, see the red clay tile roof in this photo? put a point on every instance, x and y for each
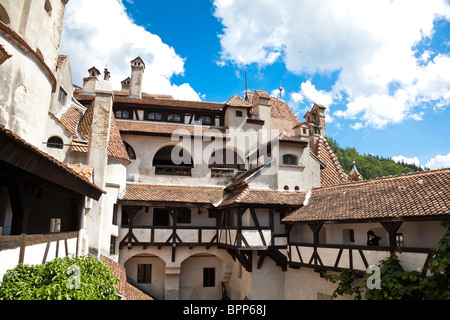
(164, 128)
(333, 174)
(237, 101)
(124, 288)
(418, 195)
(116, 148)
(71, 118)
(185, 104)
(264, 197)
(136, 192)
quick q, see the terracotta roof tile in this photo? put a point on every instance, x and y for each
(237, 101)
(333, 174)
(416, 195)
(71, 118)
(164, 128)
(124, 288)
(136, 192)
(264, 197)
(153, 101)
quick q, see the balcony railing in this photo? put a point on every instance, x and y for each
(337, 257)
(167, 236)
(173, 170)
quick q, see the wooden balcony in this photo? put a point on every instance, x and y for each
(160, 236)
(336, 257)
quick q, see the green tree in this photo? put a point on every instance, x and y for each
(70, 278)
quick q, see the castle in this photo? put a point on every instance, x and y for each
(196, 200)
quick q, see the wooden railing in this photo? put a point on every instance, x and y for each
(337, 257)
(168, 235)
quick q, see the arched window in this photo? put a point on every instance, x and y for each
(55, 143)
(130, 151)
(173, 160)
(290, 160)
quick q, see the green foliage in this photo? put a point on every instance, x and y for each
(369, 166)
(398, 284)
(70, 278)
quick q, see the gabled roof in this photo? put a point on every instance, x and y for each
(237, 101)
(421, 195)
(332, 174)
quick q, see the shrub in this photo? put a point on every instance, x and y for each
(70, 278)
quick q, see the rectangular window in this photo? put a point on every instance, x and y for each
(62, 96)
(112, 246)
(239, 114)
(144, 273)
(209, 277)
(114, 217)
(399, 240)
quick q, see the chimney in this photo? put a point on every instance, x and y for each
(262, 110)
(137, 77)
(90, 83)
(316, 121)
(126, 84)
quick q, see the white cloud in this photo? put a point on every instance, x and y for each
(309, 92)
(100, 33)
(414, 160)
(371, 44)
(438, 162)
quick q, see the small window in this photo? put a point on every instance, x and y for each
(184, 216)
(290, 160)
(55, 143)
(154, 116)
(122, 114)
(204, 120)
(144, 273)
(112, 246)
(114, 217)
(62, 96)
(239, 114)
(286, 188)
(400, 241)
(209, 277)
(174, 118)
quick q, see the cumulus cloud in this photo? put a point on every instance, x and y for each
(100, 33)
(372, 45)
(438, 162)
(413, 160)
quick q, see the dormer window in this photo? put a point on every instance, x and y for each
(205, 120)
(154, 116)
(174, 118)
(122, 114)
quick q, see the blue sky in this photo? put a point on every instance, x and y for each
(381, 67)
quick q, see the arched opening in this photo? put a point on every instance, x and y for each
(201, 277)
(173, 160)
(130, 151)
(55, 143)
(148, 271)
(4, 17)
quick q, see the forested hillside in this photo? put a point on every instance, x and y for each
(369, 166)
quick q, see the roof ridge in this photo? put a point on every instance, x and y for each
(403, 175)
